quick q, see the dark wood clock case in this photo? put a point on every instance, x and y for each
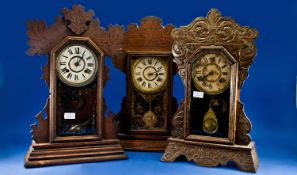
(150, 39)
(231, 142)
(52, 140)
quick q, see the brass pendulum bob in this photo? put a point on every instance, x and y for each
(210, 122)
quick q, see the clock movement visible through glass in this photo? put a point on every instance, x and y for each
(76, 67)
(211, 74)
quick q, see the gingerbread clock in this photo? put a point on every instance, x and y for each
(146, 59)
(213, 56)
(72, 127)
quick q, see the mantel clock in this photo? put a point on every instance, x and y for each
(146, 59)
(213, 55)
(72, 128)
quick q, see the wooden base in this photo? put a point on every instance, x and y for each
(45, 154)
(139, 143)
(211, 154)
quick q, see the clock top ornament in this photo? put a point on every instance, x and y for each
(203, 46)
(76, 45)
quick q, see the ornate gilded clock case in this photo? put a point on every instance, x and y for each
(146, 59)
(72, 127)
(213, 55)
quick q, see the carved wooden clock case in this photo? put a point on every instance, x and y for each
(146, 59)
(72, 127)
(213, 55)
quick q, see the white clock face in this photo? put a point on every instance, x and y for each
(149, 74)
(76, 65)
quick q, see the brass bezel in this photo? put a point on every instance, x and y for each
(196, 84)
(135, 61)
(88, 81)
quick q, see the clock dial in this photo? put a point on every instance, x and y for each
(211, 73)
(149, 74)
(76, 65)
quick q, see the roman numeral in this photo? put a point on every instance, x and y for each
(159, 79)
(139, 67)
(204, 84)
(159, 69)
(210, 86)
(76, 50)
(88, 71)
(149, 61)
(65, 70)
(64, 56)
(225, 73)
(223, 66)
(222, 80)
(155, 63)
(90, 64)
(89, 57)
(144, 63)
(139, 79)
(213, 59)
(156, 84)
(143, 84)
(200, 78)
(137, 73)
(198, 72)
(149, 85)
(205, 60)
(75, 77)
(161, 73)
(63, 63)
(69, 76)
(70, 51)
(83, 76)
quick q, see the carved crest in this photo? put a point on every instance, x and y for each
(43, 38)
(150, 35)
(78, 18)
(216, 30)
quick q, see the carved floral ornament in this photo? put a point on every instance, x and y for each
(74, 22)
(215, 30)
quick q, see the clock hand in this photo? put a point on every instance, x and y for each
(83, 54)
(209, 74)
(77, 61)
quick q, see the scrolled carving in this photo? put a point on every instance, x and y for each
(78, 18)
(243, 126)
(212, 156)
(178, 122)
(42, 38)
(149, 35)
(40, 130)
(216, 30)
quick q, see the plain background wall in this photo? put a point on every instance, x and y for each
(269, 92)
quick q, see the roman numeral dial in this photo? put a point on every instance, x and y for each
(76, 65)
(149, 74)
(211, 73)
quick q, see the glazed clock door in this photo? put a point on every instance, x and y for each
(77, 106)
(149, 93)
(213, 82)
